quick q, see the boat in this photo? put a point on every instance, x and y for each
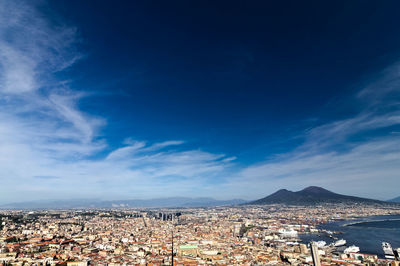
(388, 250)
(287, 232)
(351, 249)
(340, 242)
(320, 244)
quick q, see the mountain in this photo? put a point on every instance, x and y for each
(311, 195)
(150, 203)
(395, 200)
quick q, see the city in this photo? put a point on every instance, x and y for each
(241, 235)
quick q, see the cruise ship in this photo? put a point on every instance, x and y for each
(320, 244)
(288, 233)
(351, 249)
(388, 250)
(340, 242)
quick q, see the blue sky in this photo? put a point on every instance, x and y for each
(227, 99)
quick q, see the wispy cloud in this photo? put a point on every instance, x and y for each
(46, 177)
(31, 48)
(32, 100)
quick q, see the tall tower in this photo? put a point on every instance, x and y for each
(172, 249)
(315, 254)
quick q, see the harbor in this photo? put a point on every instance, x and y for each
(381, 229)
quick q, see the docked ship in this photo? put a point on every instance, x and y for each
(352, 249)
(388, 250)
(288, 233)
(320, 244)
(340, 242)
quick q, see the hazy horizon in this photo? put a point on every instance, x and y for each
(229, 100)
(99, 199)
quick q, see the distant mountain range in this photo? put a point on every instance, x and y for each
(151, 203)
(395, 200)
(308, 196)
(311, 195)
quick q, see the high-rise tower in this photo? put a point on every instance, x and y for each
(315, 254)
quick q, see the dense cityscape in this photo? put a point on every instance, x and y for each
(241, 235)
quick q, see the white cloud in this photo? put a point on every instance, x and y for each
(31, 48)
(126, 151)
(165, 144)
(18, 71)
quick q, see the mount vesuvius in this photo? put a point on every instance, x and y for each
(311, 195)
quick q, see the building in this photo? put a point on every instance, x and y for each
(315, 254)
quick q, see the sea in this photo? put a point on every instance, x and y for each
(367, 233)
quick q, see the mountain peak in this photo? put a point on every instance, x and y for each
(311, 195)
(282, 191)
(395, 200)
(316, 190)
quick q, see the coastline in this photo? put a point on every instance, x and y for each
(369, 221)
(356, 235)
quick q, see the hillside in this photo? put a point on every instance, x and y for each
(311, 195)
(395, 200)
